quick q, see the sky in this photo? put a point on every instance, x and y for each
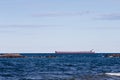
(64, 25)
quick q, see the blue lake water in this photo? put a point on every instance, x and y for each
(59, 67)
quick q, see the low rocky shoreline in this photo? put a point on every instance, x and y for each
(11, 55)
(17, 55)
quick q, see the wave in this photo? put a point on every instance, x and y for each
(113, 74)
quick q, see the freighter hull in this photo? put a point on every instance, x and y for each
(75, 52)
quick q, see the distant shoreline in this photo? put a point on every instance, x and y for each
(54, 53)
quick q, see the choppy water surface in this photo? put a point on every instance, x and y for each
(59, 67)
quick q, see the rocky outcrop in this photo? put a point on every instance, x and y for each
(11, 55)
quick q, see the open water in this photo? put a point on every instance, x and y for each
(59, 67)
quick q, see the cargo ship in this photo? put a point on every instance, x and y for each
(75, 52)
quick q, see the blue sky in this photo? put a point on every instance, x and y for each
(68, 25)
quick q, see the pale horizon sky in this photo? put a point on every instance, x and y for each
(63, 25)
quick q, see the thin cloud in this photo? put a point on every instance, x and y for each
(115, 16)
(47, 26)
(6, 29)
(59, 14)
(28, 26)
